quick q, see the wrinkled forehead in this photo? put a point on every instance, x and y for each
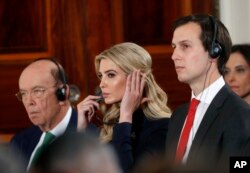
(37, 74)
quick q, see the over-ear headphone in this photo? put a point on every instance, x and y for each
(61, 91)
(215, 49)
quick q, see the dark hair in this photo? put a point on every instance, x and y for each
(243, 49)
(207, 28)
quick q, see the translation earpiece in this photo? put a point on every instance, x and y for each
(60, 92)
(215, 49)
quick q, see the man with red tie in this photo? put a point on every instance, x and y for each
(215, 125)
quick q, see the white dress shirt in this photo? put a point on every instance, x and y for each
(57, 131)
(205, 98)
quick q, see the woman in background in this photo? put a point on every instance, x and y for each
(136, 123)
(237, 71)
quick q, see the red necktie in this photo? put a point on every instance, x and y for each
(186, 130)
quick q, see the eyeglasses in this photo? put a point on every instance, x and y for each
(37, 92)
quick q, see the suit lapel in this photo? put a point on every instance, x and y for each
(174, 132)
(210, 116)
(30, 141)
(182, 119)
(72, 122)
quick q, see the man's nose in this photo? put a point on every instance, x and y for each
(175, 55)
(28, 98)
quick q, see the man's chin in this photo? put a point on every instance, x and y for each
(35, 120)
(182, 79)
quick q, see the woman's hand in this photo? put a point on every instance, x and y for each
(133, 96)
(86, 110)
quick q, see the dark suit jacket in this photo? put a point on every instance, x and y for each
(143, 137)
(223, 132)
(23, 143)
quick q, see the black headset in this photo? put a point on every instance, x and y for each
(60, 92)
(215, 49)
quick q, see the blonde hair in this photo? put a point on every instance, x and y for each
(129, 57)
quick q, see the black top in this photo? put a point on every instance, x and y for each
(142, 137)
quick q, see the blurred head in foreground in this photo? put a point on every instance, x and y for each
(77, 152)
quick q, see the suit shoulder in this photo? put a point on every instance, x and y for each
(180, 109)
(26, 134)
(236, 104)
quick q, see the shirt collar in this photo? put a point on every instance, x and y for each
(61, 127)
(209, 93)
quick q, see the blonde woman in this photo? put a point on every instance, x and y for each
(137, 121)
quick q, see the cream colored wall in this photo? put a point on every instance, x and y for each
(235, 14)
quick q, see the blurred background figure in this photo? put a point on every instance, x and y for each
(77, 152)
(237, 71)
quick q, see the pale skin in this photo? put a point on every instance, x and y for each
(45, 112)
(117, 87)
(192, 63)
(237, 75)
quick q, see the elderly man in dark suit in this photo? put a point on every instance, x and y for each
(44, 92)
(204, 134)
